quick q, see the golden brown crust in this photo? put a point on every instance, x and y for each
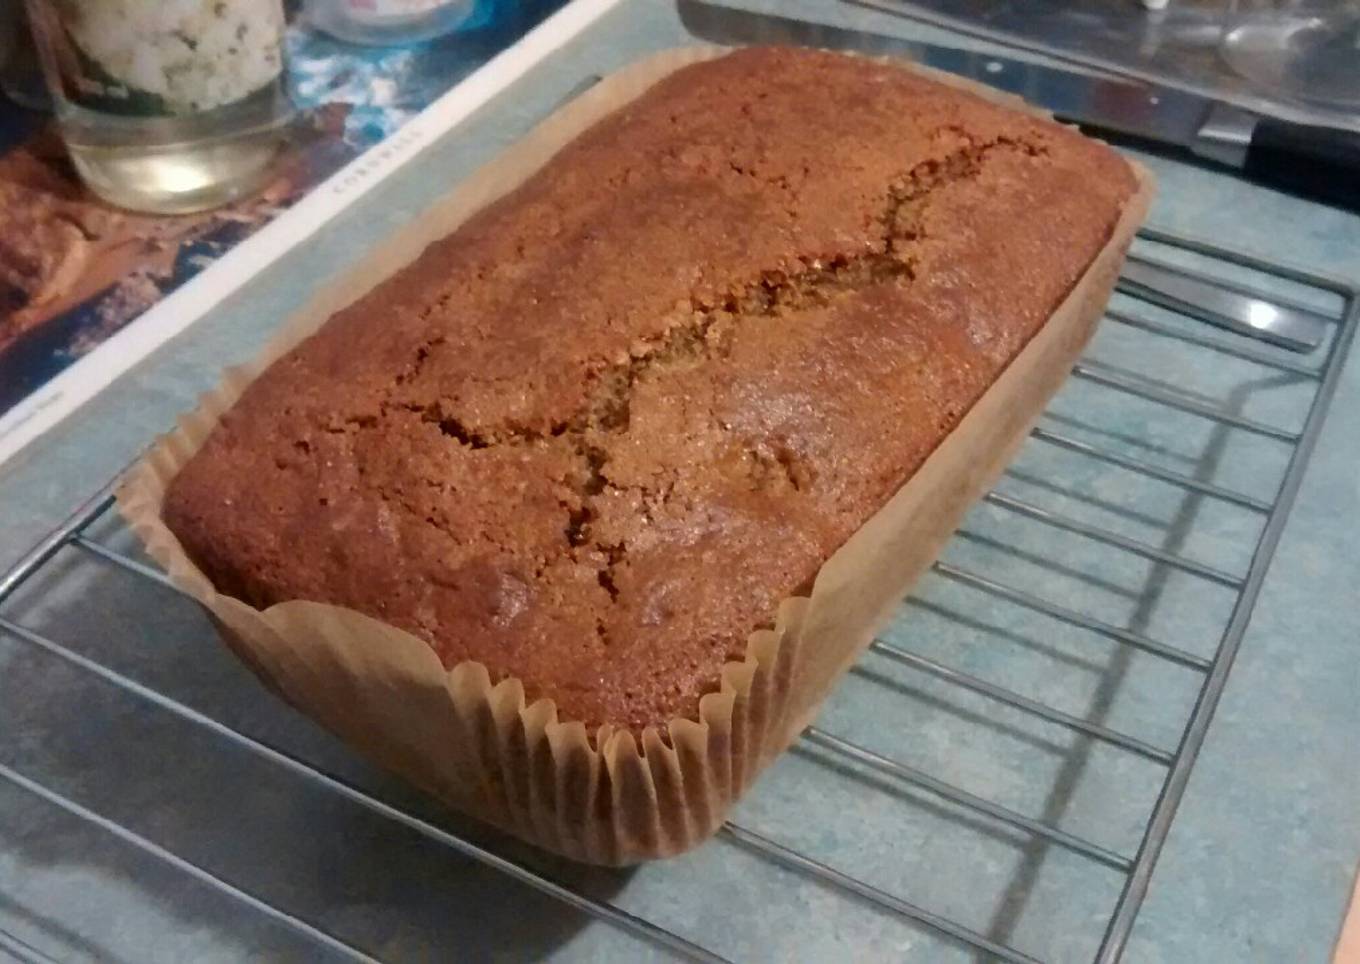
(594, 436)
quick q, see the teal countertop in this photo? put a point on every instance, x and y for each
(1257, 867)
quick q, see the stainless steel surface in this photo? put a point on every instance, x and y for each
(1304, 49)
(1225, 135)
(72, 543)
(1136, 109)
(1209, 129)
(1180, 47)
(1294, 328)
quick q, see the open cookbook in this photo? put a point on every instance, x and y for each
(87, 290)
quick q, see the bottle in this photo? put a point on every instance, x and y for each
(166, 107)
(388, 22)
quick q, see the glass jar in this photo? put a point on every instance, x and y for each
(168, 107)
(388, 22)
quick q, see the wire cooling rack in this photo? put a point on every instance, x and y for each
(1152, 378)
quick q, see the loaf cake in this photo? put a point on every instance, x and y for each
(593, 437)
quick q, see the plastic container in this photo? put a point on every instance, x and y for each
(388, 22)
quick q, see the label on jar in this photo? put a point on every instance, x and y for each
(377, 12)
(150, 59)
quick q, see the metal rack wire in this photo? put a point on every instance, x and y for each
(1177, 761)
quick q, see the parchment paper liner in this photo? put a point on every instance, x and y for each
(621, 796)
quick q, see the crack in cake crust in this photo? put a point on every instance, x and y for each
(591, 438)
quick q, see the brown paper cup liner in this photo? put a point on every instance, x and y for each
(613, 796)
